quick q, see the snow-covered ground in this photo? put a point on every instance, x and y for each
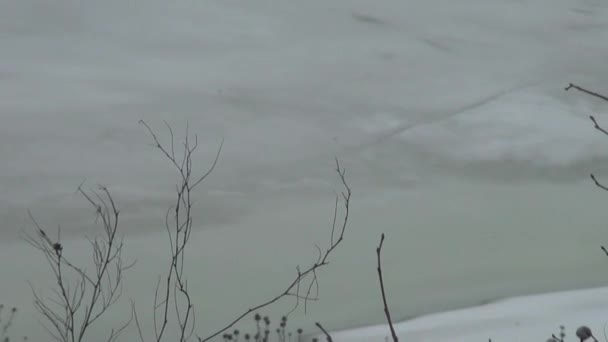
(449, 116)
(527, 318)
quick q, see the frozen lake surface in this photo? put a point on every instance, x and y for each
(450, 118)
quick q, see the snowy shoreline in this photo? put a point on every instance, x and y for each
(522, 318)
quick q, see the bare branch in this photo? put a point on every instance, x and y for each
(309, 273)
(598, 184)
(327, 335)
(589, 92)
(386, 311)
(137, 325)
(80, 298)
(597, 126)
(217, 157)
(171, 296)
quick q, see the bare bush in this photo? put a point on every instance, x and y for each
(172, 296)
(80, 297)
(178, 223)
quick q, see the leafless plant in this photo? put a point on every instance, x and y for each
(173, 287)
(597, 126)
(81, 297)
(305, 282)
(584, 333)
(386, 311)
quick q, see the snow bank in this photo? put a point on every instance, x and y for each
(527, 318)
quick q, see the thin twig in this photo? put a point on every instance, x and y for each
(327, 335)
(589, 92)
(598, 184)
(596, 125)
(310, 273)
(386, 311)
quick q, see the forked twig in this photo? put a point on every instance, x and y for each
(586, 91)
(327, 335)
(178, 224)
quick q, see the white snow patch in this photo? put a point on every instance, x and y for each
(527, 318)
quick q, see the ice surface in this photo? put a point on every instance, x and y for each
(450, 117)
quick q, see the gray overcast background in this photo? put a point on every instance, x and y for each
(449, 116)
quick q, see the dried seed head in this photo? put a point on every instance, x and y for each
(584, 333)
